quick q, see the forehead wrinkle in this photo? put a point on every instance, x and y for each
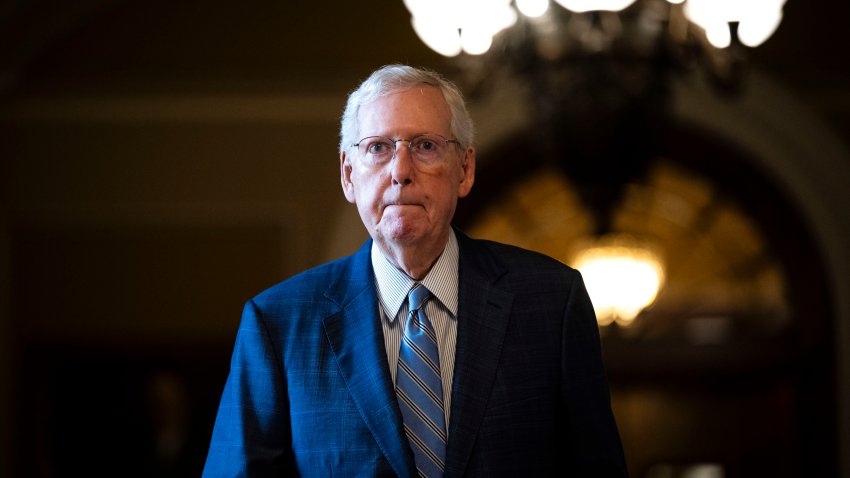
(402, 126)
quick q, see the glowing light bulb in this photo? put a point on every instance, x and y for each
(475, 41)
(719, 35)
(580, 6)
(532, 8)
(438, 36)
(755, 30)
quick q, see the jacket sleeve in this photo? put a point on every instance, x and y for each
(593, 441)
(252, 437)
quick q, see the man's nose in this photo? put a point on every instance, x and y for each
(401, 166)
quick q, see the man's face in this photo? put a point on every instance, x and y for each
(403, 203)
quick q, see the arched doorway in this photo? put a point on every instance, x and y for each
(735, 363)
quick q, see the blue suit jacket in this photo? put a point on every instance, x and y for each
(309, 391)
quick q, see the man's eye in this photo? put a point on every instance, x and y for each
(426, 146)
(378, 148)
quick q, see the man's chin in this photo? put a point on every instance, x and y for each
(404, 236)
(403, 233)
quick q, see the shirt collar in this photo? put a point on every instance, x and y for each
(442, 280)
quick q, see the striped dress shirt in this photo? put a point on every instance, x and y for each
(442, 280)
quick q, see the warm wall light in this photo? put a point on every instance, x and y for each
(622, 279)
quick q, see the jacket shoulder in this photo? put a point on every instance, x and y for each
(310, 279)
(515, 258)
(327, 286)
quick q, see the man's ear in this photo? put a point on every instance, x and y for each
(467, 172)
(345, 177)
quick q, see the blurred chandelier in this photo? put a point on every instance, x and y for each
(597, 77)
(523, 35)
(450, 27)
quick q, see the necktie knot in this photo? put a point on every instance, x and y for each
(418, 296)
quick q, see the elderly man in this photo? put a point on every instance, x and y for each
(426, 352)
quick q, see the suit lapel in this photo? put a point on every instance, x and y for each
(483, 314)
(357, 341)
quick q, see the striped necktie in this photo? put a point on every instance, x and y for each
(420, 388)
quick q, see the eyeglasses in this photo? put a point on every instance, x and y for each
(425, 149)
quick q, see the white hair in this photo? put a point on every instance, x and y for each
(393, 78)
